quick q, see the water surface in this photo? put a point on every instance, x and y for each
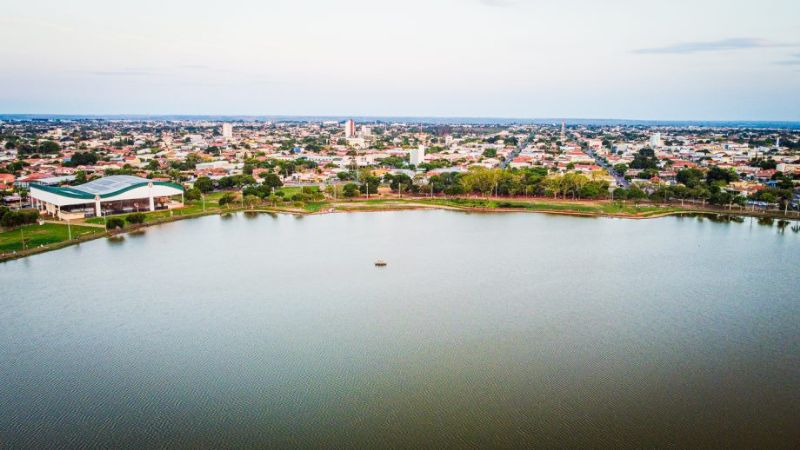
(484, 330)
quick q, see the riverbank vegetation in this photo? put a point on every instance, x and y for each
(478, 189)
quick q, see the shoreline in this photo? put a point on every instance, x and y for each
(411, 204)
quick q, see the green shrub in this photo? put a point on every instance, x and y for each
(13, 219)
(113, 223)
(135, 218)
(350, 190)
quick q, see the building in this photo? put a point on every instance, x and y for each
(417, 156)
(103, 196)
(655, 140)
(6, 181)
(227, 130)
(349, 129)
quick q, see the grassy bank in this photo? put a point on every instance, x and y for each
(589, 208)
(39, 238)
(36, 236)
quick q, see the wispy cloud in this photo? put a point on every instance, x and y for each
(498, 3)
(711, 46)
(154, 71)
(128, 72)
(793, 60)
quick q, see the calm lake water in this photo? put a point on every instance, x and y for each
(484, 330)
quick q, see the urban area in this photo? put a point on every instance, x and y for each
(66, 179)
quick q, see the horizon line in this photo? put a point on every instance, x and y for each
(386, 116)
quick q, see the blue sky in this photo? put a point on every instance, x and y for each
(680, 59)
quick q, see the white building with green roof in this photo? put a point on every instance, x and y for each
(103, 196)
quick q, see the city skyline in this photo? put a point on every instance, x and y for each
(492, 58)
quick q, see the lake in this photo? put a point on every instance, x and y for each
(501, 330)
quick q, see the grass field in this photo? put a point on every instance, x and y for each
(38, 235)
(577, 207)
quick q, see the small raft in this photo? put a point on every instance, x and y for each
(380, 263)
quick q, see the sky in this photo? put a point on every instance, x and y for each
(620, 59)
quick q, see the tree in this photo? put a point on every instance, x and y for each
(645, 159)
(204, 184)
(350, 190)
(153, 165)
(690, 177)
(193, 194)
(399, 182)
(369, 184)
(80, 177)
(49, 147)
(621, 168)
(480, 179)
(82, 159)
(636, 194)
(227, 198)
(13, 219)
(251, 200)
(719, 174)
(272, 181)
(553, 185)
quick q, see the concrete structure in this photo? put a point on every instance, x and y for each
(114, 194)
(655, 140)
(417, 156)
(349, 129)
(227, 130)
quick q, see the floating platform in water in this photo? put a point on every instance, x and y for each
(380, 263)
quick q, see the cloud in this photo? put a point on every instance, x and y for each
(793, 61)
(128, 72)
(710, 46)
(498, 3)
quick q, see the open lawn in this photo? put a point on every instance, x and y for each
(601, 207)
(37, 235)
(190, 207)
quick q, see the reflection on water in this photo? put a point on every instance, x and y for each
(115, 239)
(484, 330)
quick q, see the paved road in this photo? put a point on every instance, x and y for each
(621, 181)
(512, 155)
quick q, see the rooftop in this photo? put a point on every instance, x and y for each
(107, 185)
(104, 187)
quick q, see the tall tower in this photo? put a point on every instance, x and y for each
(417, 156)
(563, 131)
(655, 140)
(227, 130)
(349, 128)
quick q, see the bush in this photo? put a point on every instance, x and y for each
(136, 218)
(193, 194)
(227, 198)
(350, 190)
(113, 223)
(13, 219)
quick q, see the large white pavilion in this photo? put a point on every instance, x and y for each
(103, 196)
